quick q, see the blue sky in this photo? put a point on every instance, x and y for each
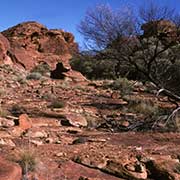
(64, 14)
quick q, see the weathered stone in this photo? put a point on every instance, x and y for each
(4, 47)
(7, 142)
(74, 120)
(82, 171)
(45, 122)
(24, 122)
(37, 143)
(6, 122)
(124, 123)
(49, 140)
(37, 134)
(9, 170)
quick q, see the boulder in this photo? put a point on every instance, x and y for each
(24, 122)
(74, 119)
(9, 170)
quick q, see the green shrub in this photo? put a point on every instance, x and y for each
(94, 67)
(34, 75)
(42, 68)
(123, 85)
(21, 79)
(17, 110)
(57, 104)
(3, 113)
(48, 96)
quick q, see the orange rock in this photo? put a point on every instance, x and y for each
(24, 122)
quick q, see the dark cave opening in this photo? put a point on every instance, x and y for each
(58, 73)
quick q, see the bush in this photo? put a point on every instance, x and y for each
(42, 68)
(3, 113)
(123, 85)
(145, 107)
(34, 75)
(17, 110)
(21, 79)
(94, 67)
(27, 161)
(57, 104)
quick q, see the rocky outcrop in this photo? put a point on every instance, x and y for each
(4, 47)
(31, 43)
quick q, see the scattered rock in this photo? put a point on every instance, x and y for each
(124, 123)
(60, 154)
(115, 95)
(36, 142)
(49, 140)
(6, 122)
(37, 134)
(74, 120)
(7, 142)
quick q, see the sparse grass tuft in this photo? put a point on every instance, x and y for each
(57, 104)
(17, 110)
(34, 75)
(27, 161)
(42, 68)
(123, 85)
(145, 108)
(21, 79)
(2, 92)
(3, 113)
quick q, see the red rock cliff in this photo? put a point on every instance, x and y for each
(31, 43)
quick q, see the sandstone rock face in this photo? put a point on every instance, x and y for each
(4, 47)
(29, 44)
(32, 43)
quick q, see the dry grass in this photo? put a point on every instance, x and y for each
(27, 161)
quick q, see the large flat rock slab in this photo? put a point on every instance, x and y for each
(74, 171)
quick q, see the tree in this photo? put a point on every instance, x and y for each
(148, 44)
(101, 25)
(153, 12)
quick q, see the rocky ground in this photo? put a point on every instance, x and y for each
(71, 130)
(57, 125)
